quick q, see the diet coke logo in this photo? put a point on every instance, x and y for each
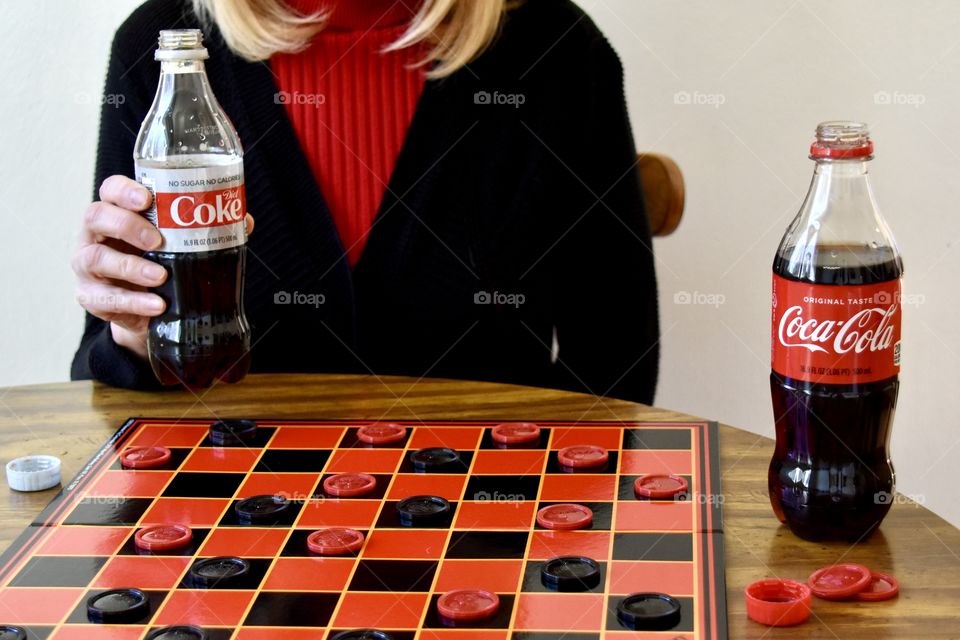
(869, 329)
(200, 209)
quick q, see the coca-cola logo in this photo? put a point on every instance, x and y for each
(200, 209)
(870, 329)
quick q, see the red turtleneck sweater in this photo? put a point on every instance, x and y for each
(351, 105)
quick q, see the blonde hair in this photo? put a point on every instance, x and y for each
(455, 31)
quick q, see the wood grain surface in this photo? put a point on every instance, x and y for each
(72, 420)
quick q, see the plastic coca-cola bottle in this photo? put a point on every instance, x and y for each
(835, 348)
(189, 156)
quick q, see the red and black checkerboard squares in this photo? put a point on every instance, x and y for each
(657, 438)
(58, 571)
(487, 544)
(277, 609)
(393, 575)
(546, 635)
(79, 613)
(106, 511)
(293, 461)
(502, 488)
(203, 485)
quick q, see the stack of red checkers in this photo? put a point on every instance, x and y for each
(853, 582)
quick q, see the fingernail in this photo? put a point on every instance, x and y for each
(149, 238)
(154, 303)
(137, 197)
(153, 272)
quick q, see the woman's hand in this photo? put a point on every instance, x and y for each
(112, 277)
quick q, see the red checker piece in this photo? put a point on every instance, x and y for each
(335, 541)
(163, 537)
(515, 433)
(583, 456)
(566, 516)
(145, 457)
(468, 604)
(839, 581)
(778, 603)
(382, 433)
(883, 586)
(349, 485)
(659, 486)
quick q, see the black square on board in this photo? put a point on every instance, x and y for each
(60, 571)
(192, 484)
(277, 609)
(602, 514)
(687, 614)
(487, 544)
(656, 438)
(653, 546)
(553, 465)
(393, 575)
(532, 583)
(109, 511)
(502, 488)
(292, 461)
(79, 613)
(499, 620)
(177, 456)
(389, 518)
(625, 490)
(130, 547)
(258, 442)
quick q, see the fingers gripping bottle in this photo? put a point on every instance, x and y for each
(188, 154)
(835, 348)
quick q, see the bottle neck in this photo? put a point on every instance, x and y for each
(179, 67)
(841, 186)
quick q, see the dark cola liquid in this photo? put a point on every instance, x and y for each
(202, 336)
(831, 475)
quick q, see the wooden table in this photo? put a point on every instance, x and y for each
(72, 420)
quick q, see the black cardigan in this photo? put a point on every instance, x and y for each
(539, 200)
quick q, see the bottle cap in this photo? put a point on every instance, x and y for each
(840, 140)
(778, 603)
(181, 44)
(33, 473)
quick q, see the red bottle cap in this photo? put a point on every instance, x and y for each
(778, 603)
(516, 433)
(382, 433)
(163, 537)
(581, 456)
(882, 586)
(349, 485)
(659, 486)
(565, 517)
(335, 541)
(839, 581)
(145, 457)
(468, 604)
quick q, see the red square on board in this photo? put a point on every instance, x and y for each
(608, 438)
(418, 484)
(405, 545)
(98, 632)
(168, 436)
(147, 572)
(84, 541)
(293, 486)
(280, 633)
(130, 483)
(549, 544)
(244, 542)
(643, 461)
(463, 634)
(310, 574)
(307, 437)
(496, 515)
(577, 487)
(521, 463)
(654, 515)
(380, 610)
(221, 459)
(36, 606)
(563, 612)
(357, 514)
(492, 575)
(453, 437)
(188, 511)
(365, 460)
(215, 607)
(675, 578)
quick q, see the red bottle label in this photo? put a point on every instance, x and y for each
(835, 334)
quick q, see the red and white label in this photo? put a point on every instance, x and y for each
(835, 334)
(197, 209)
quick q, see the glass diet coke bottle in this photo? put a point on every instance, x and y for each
(189, 156)
(835, 348)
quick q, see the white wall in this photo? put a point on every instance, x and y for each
(777, 66)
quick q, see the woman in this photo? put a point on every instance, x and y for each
(455, 177)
